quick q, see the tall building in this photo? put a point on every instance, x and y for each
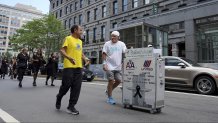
(11, 19)
(192, 25)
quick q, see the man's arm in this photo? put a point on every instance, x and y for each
(104, 57)
(85, 59)
(63, 52)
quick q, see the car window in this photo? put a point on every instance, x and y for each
(191, 62)
(172, 62)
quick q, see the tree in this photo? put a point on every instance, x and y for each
(45, 33)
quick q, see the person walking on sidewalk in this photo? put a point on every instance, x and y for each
(4, 68)
(51, 69)
(22, 59)
(72, 73)
(112, 54)
(37, 62)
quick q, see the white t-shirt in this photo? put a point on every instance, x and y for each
(114, 54)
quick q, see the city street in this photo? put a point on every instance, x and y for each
(37, 104)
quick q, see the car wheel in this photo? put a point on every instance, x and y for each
(205, 85)
(89, 80)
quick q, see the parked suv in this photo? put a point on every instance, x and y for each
(182, 72)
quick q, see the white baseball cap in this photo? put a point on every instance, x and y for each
(150, 45)
(115, 33)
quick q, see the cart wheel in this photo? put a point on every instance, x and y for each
(152, 111)
(130, 106)
(159, 110)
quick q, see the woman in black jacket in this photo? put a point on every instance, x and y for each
(37, 62)
(4, 68)
(51, 69)
(22, 59)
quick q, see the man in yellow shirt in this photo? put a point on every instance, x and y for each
(72, 73)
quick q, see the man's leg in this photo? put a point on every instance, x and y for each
(66, 83)
(110, 76)
(75, 91)
(75, 87)
(118, 79)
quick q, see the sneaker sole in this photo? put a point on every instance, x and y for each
(111, 103)
(69, 112)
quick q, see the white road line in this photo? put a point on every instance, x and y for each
(7, 117)
(192, 94)
(100, 84)
(96, 84)
(165, 91)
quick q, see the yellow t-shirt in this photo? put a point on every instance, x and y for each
(74, 50)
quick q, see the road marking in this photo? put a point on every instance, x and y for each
(7, 117)
(96, 84)
(165, 91)
(100, 84)
(192, 94)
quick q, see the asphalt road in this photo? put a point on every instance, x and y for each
(37, 104)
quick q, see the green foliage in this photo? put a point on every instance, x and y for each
(46, 33)
(8, 55)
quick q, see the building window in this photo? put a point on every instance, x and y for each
(71, 8)
(66, 9)
(88, 1)
(95, 14)
(57, 3)
(134, 3)
(61, 1)
(87, 36)
(76, 5)
(60, 13)
(147, 1)
(88, 16)
(70, 23)
(81, 3)
(80, 19)
(56, 14)
(114, 25)
(94, 35)
(74, 20)
(65, 24)
(104, 11)
(115, 7)
(102, 32)
(53, 5)
(124, 5)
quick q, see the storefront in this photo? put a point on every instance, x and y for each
(207, 39)
(140, 35)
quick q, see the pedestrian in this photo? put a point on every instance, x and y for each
(37, 62)
(87, 64)
(72, 73)
(13, 72)
(112, 54)
(22, 59)
(51, 69)
(4, 68)
(56, 63)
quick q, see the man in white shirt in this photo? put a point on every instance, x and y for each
(112, 54)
